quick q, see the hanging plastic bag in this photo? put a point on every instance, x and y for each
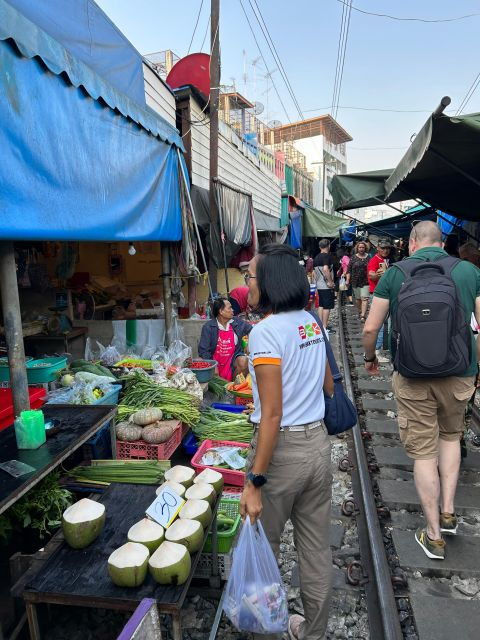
(343, 284)
(255, 597)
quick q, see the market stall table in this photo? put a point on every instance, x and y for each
(80, 577)
(77, 424)
(42, 343)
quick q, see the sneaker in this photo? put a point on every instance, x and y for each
(448, 523)
(434, 549)
(294, 623)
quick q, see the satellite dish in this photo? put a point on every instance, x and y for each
(273, 124)
(258, 108)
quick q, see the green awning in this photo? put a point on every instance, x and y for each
(442, 166)
(356, 190)
(318, 224)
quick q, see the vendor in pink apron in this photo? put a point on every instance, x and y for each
(222, 339)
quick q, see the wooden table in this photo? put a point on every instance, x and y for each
(80, 578)
(78, 423)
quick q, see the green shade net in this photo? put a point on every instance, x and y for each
(284, 217)
(289, 180)
(442, 166)
(318, 224)
(367, 189)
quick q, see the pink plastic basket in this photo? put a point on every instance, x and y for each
(230, 476)
(143, 451)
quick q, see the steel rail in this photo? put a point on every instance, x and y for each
(388, 613)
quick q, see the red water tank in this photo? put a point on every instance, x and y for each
(193, 69)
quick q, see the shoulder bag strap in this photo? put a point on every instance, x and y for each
(337, 376)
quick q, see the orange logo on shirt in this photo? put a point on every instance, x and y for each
(309, 330)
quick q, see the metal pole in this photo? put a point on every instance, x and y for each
(13, 328)
(222, 238)
(167, 291)
(214, 94)
(444, 102)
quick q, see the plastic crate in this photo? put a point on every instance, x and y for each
(243, 401)
(233, 493)
(225, 539)
(37, 399)
(40, 375)
(190, 444)
(143, 451)
(99, 447)
(230, 476)
(111, 397)
(204, 566)
(232, 408)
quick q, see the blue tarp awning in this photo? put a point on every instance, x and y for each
(79, 159)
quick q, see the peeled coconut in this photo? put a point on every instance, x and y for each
(170, 564)
(183, 475)
(176, 487)
(148, 533)
(201, 491)
(186, 532)
(83, 522)
(127, 565)
(197, 510)
(210, 476)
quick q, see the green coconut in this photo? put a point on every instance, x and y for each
(170, 564)
(201, 491)
(181, 474)
(197, 510)
(148, 533)
(83, 522)
(186, 532)
(127, 565)
(176, 487)
(210, 476)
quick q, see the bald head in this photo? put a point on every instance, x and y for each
(426, 234)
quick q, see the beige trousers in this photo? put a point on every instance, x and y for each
(299, 488)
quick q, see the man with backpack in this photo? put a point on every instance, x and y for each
(431, 297)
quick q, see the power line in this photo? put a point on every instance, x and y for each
(195, 28)
(337, 65)
(340, 78)
(328, 106)
(374, 148)
(469, 94)
(263, 58)
(429, 20)
(206, 33)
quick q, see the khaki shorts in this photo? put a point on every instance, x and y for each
(361, 293)
(430, 409)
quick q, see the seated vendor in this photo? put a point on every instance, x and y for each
(221, 340)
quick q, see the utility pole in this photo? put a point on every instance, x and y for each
(214, 95)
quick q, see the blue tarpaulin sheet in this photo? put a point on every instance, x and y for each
(449, 223)
(72, 167)
(89, 35)
(295, 230)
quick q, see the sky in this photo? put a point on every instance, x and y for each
(389, 64)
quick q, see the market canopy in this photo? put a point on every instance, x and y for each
(366, 189)
(80, 160)
(401, 225)
(318, 224)
(442, 166)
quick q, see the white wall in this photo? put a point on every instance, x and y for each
(158, 96)
(236, 164)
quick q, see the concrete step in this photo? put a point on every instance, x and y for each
(459, 618)
(379, 404)
(402, 495)
(396, 457)
(374, 385)
(386, 426)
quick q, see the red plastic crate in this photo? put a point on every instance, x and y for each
(143, 451)
(230, 476)
(243, 401)
(37, 398)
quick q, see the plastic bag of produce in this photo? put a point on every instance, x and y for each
(93, 351)
(110, 356)
(255, 598)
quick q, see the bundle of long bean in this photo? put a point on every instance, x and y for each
(141, 392)
(217, 386)
(129, 471)
(215, 424)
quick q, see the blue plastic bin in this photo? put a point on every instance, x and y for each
(99, 447)
(233, 408)
(190, 444)
(111, 397)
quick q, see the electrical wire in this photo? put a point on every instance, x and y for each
(195, 27)
(264, 61)
(339, 47)
(206, 33)
(328, 106)
(429, 20)
(374, 148)
(468, 95)
(346, 15)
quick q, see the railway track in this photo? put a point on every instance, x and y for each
(408, 595)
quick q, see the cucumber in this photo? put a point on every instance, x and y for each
(103, 371)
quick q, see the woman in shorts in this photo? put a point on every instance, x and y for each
(357, 278)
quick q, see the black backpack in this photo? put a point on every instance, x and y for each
(429, 329)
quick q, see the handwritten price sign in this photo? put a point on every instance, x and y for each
(164, 509)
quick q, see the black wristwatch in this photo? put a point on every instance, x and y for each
(369, 359)
(257, 479)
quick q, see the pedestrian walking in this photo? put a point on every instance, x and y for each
(323, 269)
(357, 278)
(376, 268)
(289, 469)
(431, 297)
(345, 286)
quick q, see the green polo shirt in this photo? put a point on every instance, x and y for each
(465, 275)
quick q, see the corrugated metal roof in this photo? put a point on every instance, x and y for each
(33, 42)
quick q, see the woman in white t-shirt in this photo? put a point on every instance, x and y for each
(289, 464)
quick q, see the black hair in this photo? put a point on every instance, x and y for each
(218, 305)
(324, 243)
(282, 281)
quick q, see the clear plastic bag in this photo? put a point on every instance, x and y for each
(93, 351)
(110, 356)
(255, 597)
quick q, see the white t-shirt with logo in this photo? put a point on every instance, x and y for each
(294, 341)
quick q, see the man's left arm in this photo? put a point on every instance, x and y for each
(375, 319)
